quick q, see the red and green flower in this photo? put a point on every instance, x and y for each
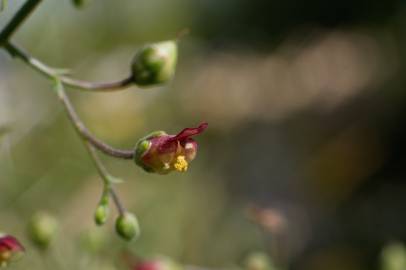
(10, 249)
(162, 153)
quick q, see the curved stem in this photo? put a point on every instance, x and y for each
(120, 208)
(105, 177)
(90, 146)
(84, 132)
(50, 72)
(17, 20)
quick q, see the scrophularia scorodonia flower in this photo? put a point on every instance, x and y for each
(10, 248)
(162, 153)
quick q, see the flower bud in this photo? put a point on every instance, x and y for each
(101, 214)
(42, 229)
(102, 210)
(10, 249)
(162, 153)
(127, 226)
(155, 63)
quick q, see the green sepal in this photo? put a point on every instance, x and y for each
(142, 146)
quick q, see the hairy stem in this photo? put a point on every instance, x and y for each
(18, 19)
(50, 72)
(84, 132)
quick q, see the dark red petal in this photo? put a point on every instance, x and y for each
(11, 243)
(188, 132)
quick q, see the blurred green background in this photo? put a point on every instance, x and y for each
(305, 102)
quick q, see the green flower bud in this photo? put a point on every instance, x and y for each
(42, 229)
(101, 214)
(127, 226)
(155, 63)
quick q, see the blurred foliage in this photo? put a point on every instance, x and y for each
(393, 257)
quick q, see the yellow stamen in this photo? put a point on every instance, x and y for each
(4, 256)
(181, 164)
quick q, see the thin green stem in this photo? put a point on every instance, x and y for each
(90, 141)
(18, 19)
(50, 72)
(98, 164)
(104, 174)
(106, 177)
(84, 132)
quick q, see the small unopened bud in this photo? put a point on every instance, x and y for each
(102, 211)
(101, 214)
(127, 226)
(155, 63)
(42, 229)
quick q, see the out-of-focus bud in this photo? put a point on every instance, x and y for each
(94, 240)
(79, 3)
(42, 229)
(158, 263)
(155, 63)
(102, 211)
(127, 226)
(162, 153)
(393, 257)
(101, 214)
(258, 261)
(10, 249)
